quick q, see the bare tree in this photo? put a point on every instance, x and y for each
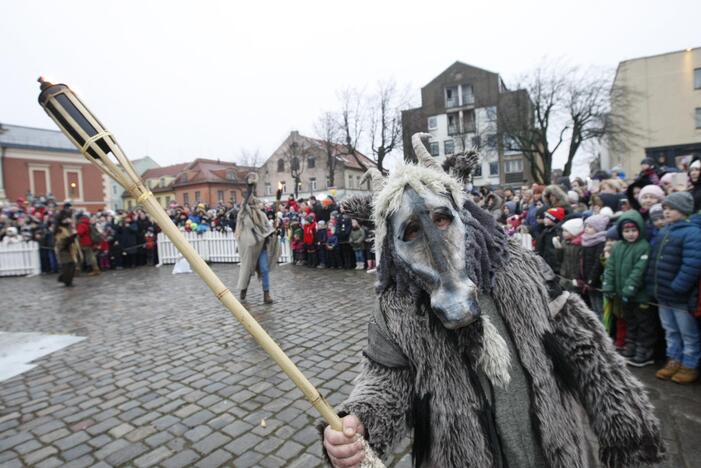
(565, 105)
(351, 122)
(328, 131)
(249, 158)
(386, 121)
(295, 162)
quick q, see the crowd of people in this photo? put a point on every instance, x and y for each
(631, 250)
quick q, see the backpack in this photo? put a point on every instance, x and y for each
(95, 236)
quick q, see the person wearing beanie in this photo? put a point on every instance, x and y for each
(321, 239)
(591, 264)
(569, 250)
(672, 278)
(357, 242)
(695, 179)
(655, 221)
(648, 172)
(548, 238)
(624, 281)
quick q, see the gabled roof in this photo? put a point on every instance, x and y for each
(18, 136)
(167, 171)
(457, 66)
(203, 170)
(340, 152)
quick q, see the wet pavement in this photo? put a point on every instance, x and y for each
(167, 377)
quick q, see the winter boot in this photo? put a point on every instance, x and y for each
(671, 368)
(359, 265)
(243, 295)
(95, 271)
(641, 360)
(628, 350)
(267, 298)
(685, 376)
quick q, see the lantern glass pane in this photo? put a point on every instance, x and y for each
(75, 114)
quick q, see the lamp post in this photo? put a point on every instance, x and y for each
(99, 146)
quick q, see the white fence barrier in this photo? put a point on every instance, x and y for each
(20, 259)
(215, 247)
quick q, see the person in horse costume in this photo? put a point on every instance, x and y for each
(476, 351)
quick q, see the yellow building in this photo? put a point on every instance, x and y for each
(664, 110)
(160, 181)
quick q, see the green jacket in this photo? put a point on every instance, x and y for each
(625, 269)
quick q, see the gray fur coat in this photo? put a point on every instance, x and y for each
(564, 352)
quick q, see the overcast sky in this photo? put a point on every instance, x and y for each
(180, 80)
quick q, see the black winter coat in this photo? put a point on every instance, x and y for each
(546, 249)
(591, 266)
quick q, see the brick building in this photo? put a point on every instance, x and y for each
(160, 181)
(45, 163)
(210, 181)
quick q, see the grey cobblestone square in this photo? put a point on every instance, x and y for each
(166, 377)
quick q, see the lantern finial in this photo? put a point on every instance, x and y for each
(44, 83)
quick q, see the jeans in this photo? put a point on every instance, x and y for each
(359, 256)
(264, 272)
(682, 336)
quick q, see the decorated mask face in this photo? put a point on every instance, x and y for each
(429, 238)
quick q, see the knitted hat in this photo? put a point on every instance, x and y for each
(555, 214)
(648, 161)
(627, 223)
(696, 164)
(656, 212)
(322, 223)
(597, 222)
(606, 211)
(653, 190)
(574, 226)
(680, 201)
(612, 234)
(573, 197)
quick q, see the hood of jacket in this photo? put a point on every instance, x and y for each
(631, 215)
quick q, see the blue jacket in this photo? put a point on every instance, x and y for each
(675, 265)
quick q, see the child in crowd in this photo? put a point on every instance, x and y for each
(150, 246)
(298, 247)
(673, 280)
(310, 241)
(656, 220)
(569, 250)
(370, 249)
(321, 236)
(545, 244)
(103, 252)
(591, 265)
(357, 242)
(333, 250)
(624, 278)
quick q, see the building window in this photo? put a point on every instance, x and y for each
(73, 185)
(467, 96)
(451, 96)
(311, 162)
(513, 166)
(312, 184)
(453, 123)
(283, 186)
(448, 146)
(491, 141)
(39, 179)
(697, 78)
(494, 168)
(129, 205)
(197, 197)
(491, 114)
(232, 196)
(186, 198)
(434, 148)
(167, 200)
(114, 190)
(220, 195)
(162, 182)
(268, 189)
(281, 165)
(158, 199)
(478, 170)
(476, 142)
(468, 121)
(350, 181)
(357, 181)
(432, 123)
(698, 117)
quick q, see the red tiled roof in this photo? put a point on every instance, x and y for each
(345, 157)
(208, 170)
(171, 171)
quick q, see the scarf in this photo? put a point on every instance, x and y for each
(594, 239)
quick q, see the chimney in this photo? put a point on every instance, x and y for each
(294, 133)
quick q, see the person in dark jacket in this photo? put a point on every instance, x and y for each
(544, 243)
(624, 278)
(343, 230)
(695, 178)
(592, 267)
(321, 236)
(672, 279)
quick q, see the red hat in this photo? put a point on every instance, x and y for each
(555, 214)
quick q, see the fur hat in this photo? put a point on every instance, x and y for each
(680, 201)
(555, 214)
(597, 222)
(653, 190)
(574, 226)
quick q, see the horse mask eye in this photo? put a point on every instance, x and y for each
(430, 241)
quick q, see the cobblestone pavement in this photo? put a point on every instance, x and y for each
(167, 377)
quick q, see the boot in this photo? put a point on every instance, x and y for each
(685, 376)
(243, 295)
(95, 271)
(628, 350)
(267, 298)
(671, 368)
(359, 265)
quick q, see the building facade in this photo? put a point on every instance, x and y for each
(115, 191)
(460, 109)
(210, 182)
(663, 109)
(160, 181)
(313, 162)
(44, 163)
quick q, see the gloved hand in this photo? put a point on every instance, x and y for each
(556, 243)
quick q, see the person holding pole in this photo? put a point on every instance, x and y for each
(259, 247)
